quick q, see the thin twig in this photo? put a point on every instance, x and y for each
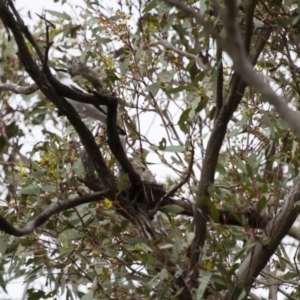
(46, 21)
(181, 53)
(177, 186)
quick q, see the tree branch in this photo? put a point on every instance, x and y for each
(181, 53)
(113, 137)
(78, 68)
(53, 208)
(249, 12)
(219, 86)
(117, 149)
(17, 89)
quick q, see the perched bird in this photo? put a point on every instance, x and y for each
(85, 109)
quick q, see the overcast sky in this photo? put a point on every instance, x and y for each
(38, 6)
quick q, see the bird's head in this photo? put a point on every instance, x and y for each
(62, 73)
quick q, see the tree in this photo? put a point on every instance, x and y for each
(207, 93)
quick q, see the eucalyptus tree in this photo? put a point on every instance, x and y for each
(199, 199)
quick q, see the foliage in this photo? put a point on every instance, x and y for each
(169, 105)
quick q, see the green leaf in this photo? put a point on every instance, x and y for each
(172, 208)
(49, 188)
(13, 246)
(240, 253)
(188, 88)
(153, 89)
(214, 212)
(35, 295)
(101, 41)
(165, 75)
(111, 75)
(205, 278)
(249, 170)
(30, 189)
(174, 149)
(123, 182)
(123, 65)
(182, 120)
(262, 205)
(59, 15)
(265, 240)
(3, 243)
(88, 296)
(233, 132)
(166, 24)
(201, 104)
(242, 295)
(150, 6)
(240, 164)
(166, 246)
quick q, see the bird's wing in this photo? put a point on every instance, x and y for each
(77, 89)
(97, 106)
(100, 109)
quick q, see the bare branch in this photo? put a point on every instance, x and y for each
(272, 283)
(53, 208)
(181, 53)
(254, 297)
(17, 89)
(249, 12)
(287, 295)
(220, 91)
(78, 68)
(47, 22)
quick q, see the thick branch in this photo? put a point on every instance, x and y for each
(52, 209)
(116, 146)
(78, 68)
(249, 12)
(113, 136)
(247, 218)
(219, 87)
(17, 89)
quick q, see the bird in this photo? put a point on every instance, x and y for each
(93, 111)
